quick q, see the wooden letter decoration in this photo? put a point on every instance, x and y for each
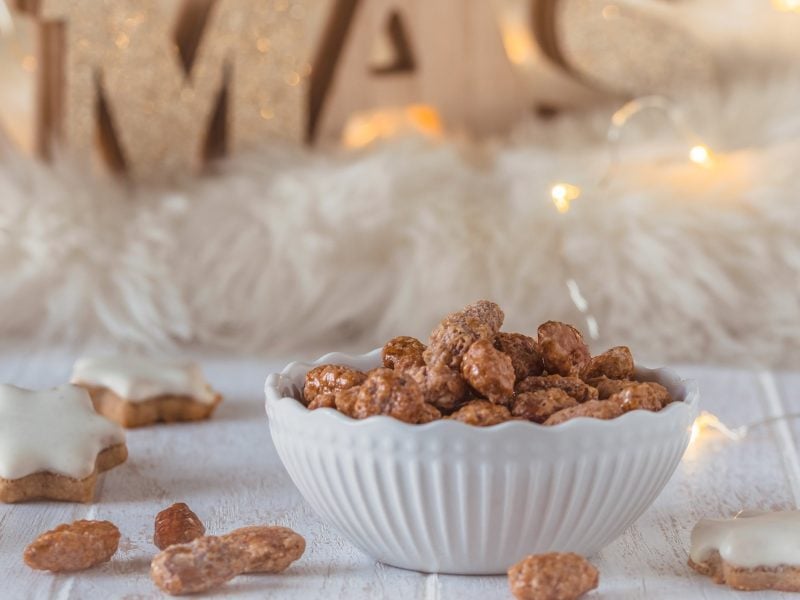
(459, 65)
(156, 87)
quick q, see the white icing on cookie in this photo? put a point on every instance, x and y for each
(750, 540)
(54, 430)
(135, 378)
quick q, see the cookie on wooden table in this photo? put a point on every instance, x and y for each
(753, 551)
(135, 391)
(53, 444)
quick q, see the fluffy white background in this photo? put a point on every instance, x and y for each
(288, 249)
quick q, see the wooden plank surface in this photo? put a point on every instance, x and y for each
(228, 471)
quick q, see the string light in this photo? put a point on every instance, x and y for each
(701, 155)
(707, 420)
(563, 194)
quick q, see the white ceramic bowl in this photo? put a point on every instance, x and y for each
(451, 498)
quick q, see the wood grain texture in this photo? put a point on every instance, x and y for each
(227, 471)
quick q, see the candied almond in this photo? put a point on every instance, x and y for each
(73, 547)
(522, 351)
(562, 348)
(384, 392)
(326, 379)
(327, 400)
(451, 339)
(202, 564)
(481, 413)
(572, 386)
(489, 372)
(429, 413)
(269, 549)
(616, 363)
(345, 400)
(553, 576)
(608, 387)
(177, 524)
(403, 352)
(485, 312)
(646, 396)
(441, 386)
(538, 406)
(596, 409)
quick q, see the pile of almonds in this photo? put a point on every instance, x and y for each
(472, 372)
(189, 561)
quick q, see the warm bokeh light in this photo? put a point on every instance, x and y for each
(518, 42)
(364, 128)
(610, 11)
(706, 420)
(787, 5)
(701, 155)
(563, 194)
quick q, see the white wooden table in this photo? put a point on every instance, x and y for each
(228, 472)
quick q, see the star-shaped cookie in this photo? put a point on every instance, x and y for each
(53, 444)
(136, 390)
(753, 551)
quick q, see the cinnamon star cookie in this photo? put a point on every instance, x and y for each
(753, 551)
(53, 444)
(135, 391)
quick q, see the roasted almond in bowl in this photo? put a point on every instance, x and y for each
(390, 454)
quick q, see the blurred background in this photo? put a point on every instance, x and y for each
(287, 176)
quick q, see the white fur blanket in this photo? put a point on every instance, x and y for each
(291, 249)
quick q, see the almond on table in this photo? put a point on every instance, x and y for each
(73, 547)
(202, 564)
(208, 562)
(270, 549)
(553, 576)
(177, 524)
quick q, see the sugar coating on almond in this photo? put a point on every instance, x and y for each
(459, 330)
(562, 348)
(329, 379)
(572, 386)
(481, 413)
(552, 576)
(595, 409)
(522, 351)
(489, 372)
(73, 547)
(402, 352)
(616, 363)
(270, 549)
(540, 405)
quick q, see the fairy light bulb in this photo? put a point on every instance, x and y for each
(562, 194)
(701, 155)
(706, 420)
